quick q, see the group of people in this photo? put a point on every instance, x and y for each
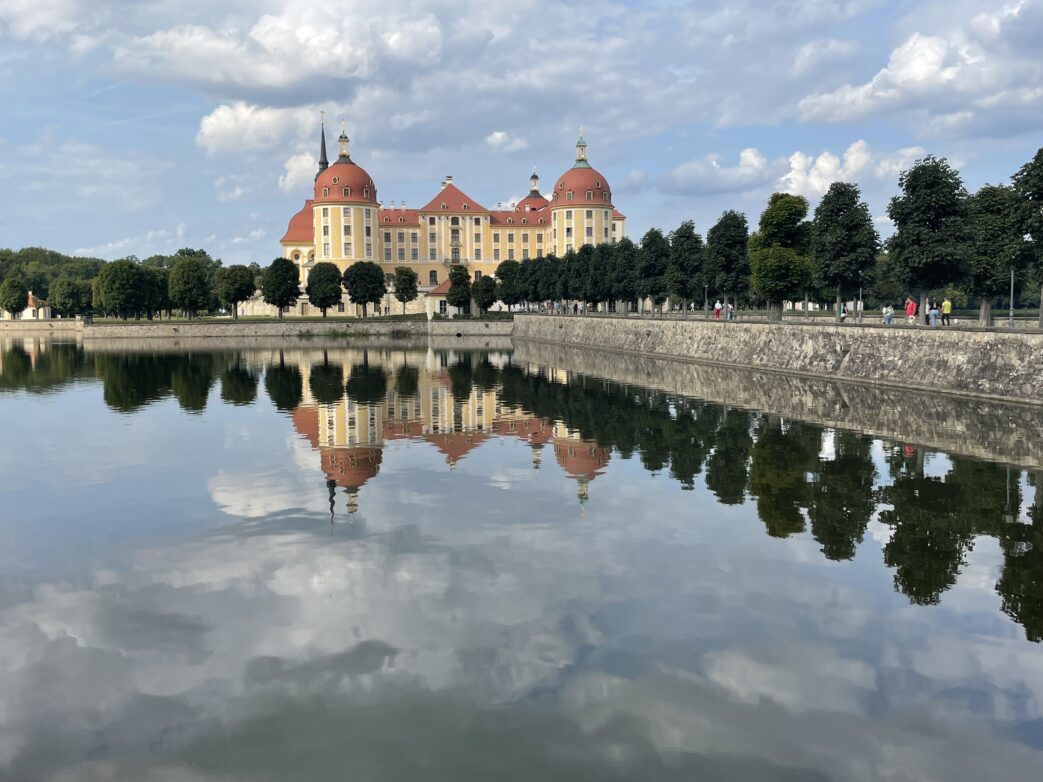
(931, 313)
(718, 309)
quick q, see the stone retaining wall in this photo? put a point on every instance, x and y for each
(374, 327)
(40, 327)
(978, 363)
(982, 428)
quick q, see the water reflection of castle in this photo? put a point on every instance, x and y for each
(453, 414)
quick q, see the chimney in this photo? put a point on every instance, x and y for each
(447, 180)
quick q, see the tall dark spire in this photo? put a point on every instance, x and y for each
(323, 162)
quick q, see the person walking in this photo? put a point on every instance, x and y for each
(889, 314)
(910, 310)
(947, 312)
(932, 313)
(717, 310)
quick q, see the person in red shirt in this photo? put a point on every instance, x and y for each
(910, 310)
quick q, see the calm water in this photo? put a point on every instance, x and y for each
(390, 565)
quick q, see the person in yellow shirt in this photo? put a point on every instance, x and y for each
(947, 312)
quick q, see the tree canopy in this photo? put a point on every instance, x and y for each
(484, 293)
(280, 284)
(405, 285)
(324, 286)
(684, 271)
(14, 294)
(189, 284)
(780, 268)
(726, 267)
(235, 284)
(844, 242)
(459, 294)
(365, 283)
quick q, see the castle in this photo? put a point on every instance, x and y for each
(343, 223)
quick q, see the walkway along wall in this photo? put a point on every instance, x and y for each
(985, 363)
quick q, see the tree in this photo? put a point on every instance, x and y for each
(323, 286)
(624, 271)
(70, 297)
(404, 284)
(365, 283)
(929, 248)
(779, 265)
(284, 385)
(726, 267)
(155, 290)
(189, 284)
(280, 284)
(484, 292)
(684, 269)
(844, 243)
(459, 294)
(236, 284)
(1028, 184)
(14, 295)
(119, 288)
(653, 258)
(998, 247)
(508, 283)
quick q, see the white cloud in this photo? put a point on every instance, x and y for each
(709, 176)
(817, 53)
(299, 170)
(242, 127)
(39, 19)
(811, 176)
(502, 141)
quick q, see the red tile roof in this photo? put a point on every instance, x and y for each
(301, 229)
(441, 289)
(455, 201)
(390, 216)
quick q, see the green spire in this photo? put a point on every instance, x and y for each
(581, 152)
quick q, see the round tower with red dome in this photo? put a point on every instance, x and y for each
(581, 206)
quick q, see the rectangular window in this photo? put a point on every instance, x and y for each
(430, 221)
(477, 221)
(347, 249)
(325, 230)
(510, 238)
(590, 230)
(606, 216)
(401, 237)
(525, 255)
(496, 238)
(477, 276)
(413, 237)
(325, 211)
(477, 238)
(605, 230)
(387, 253)
(346, 211)
(496, 254)
(414, 254)
(510, 255)
(568, 214)
(525, 238)
(432, 254)
(325, 249)
(367, 213)
(387, 237)
(441, 309)
(401, 253)
(340, 306)
(369, 249)
(568, 232)
(590, 214)
(431, 237)
(369, 231)
(347, 229)
(478, 253)
(539, 238)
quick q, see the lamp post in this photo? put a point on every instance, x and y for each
(860, 296)
(1010, 312)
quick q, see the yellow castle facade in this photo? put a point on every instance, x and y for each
(344, 222)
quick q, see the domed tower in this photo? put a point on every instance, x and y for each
(580, 205)
(344, 211)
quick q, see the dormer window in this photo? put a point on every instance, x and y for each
(347, 192)
(465, 206)
(510, 221)
(336, 180)
(590, 194)
(401, 219)
(365, 193)
(561, 185)
(524, 221)
(597, 185)
(387, 219)
(607, 195)
(443, 207)
(325, 192)
(568, 196)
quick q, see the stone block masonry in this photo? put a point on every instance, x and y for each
(370, 327)
(975, 363)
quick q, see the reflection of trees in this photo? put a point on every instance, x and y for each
(191, 378)
(779, 464)
(843, 496)
(460, 380)
(284, 385)
(131, 381)
(239, 384)
(367, 384)
(407, 381)
(1021, 583)
(930, 539)
(327, 383)
(59, 364)
(726, 474)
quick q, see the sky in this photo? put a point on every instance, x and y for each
(136, 128)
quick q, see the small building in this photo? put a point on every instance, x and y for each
(35, 309)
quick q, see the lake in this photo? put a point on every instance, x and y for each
(388, 563)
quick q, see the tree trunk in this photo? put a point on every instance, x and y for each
(839, 305)
(775, 311)
(1040, 324)
(324, 313)
(922, 312)
(706, 304)
(985, 312)
(280, 313)
(403, 309)
(235, 311)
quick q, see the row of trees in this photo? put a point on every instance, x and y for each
(945, 241)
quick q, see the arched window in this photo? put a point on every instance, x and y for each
(590, 194)
(454, 221)
(525, 221)
(296, 256)
(325, 192)
(568, 195)
(477, 276)
(347, 192)
(597, 185)
(365, 193)
(432, 278)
